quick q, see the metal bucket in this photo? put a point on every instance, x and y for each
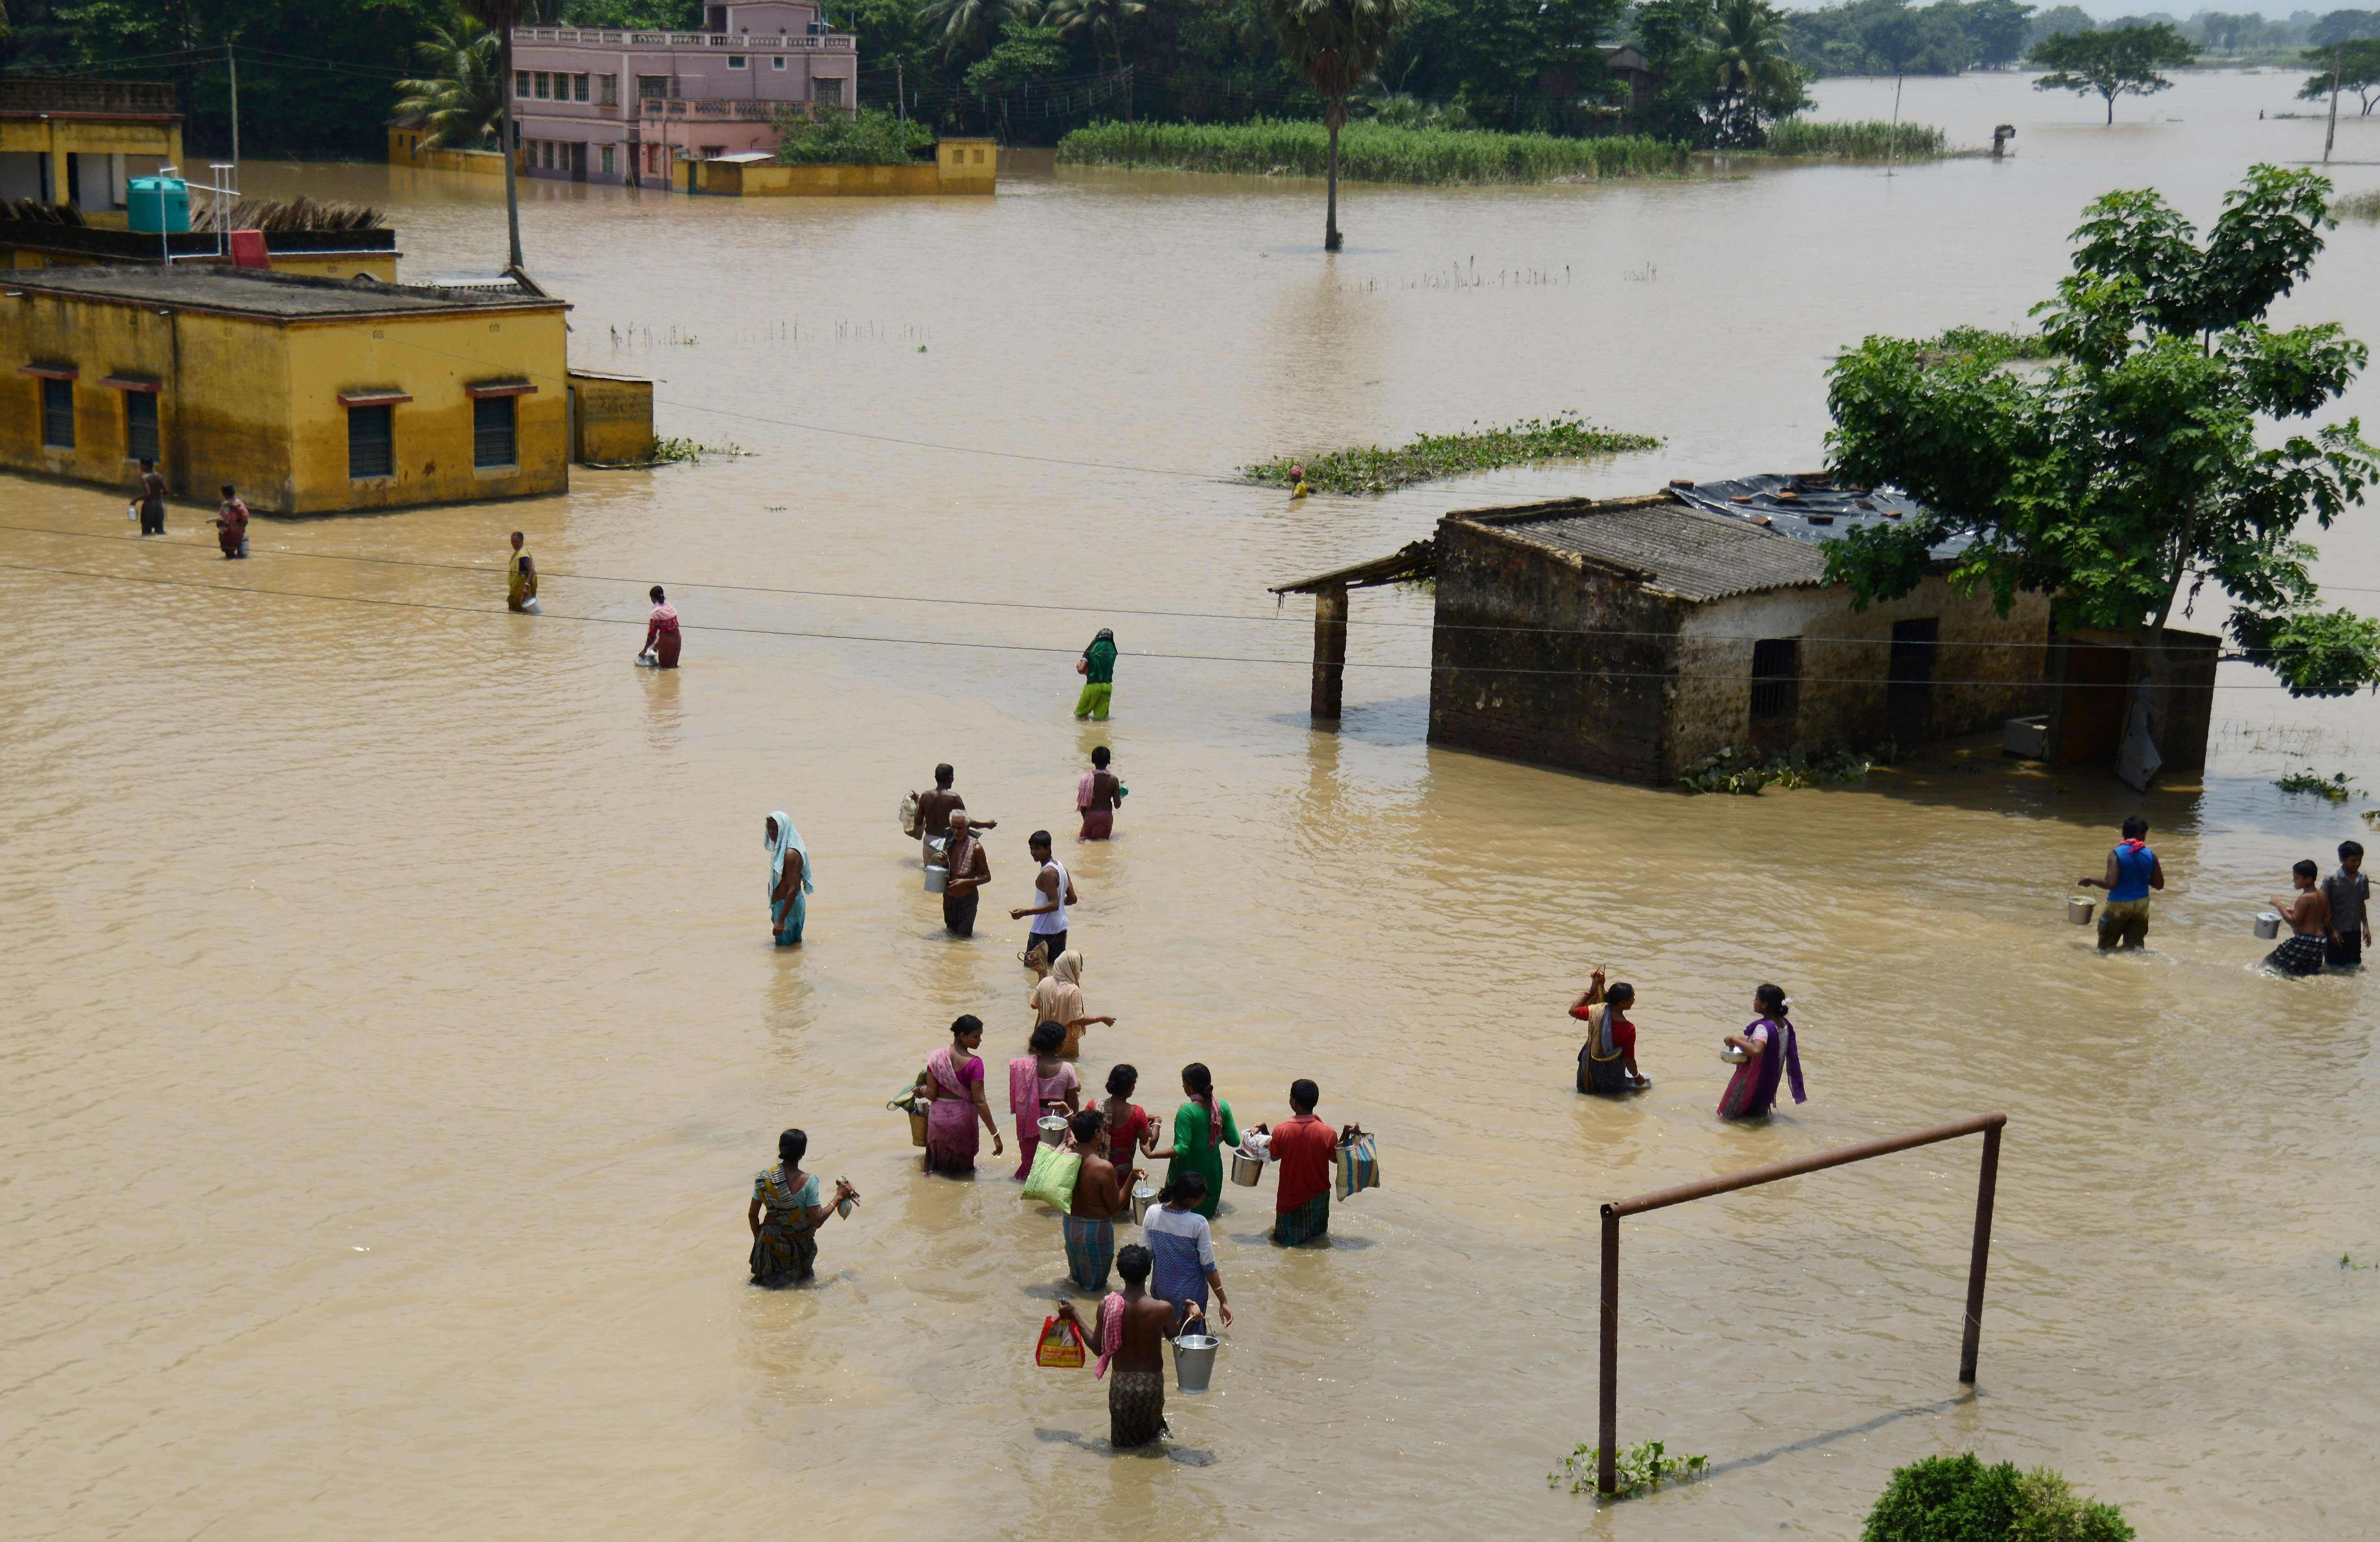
(1054, 1129)
(2268, 925)
(1246, 1171)
(1143, 1197)
(2077, 909)
(1194, 1361)
(917, 1125)
(937, 879)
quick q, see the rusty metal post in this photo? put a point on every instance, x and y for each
(1972, 1338)
(1329, 650)
(1607, 1459)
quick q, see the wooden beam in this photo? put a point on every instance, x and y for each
(1330, 651)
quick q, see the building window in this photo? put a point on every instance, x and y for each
(777, 63)
(979, 157)
(520, 82)
(545, 150)
(830, 93)
(607, 90)
(1775, 679)
(371, 442)
(140, 426)
(544, 85)
(1909, 696)
(735, 61)
(653, 88)
(57, 414)
(608, 168)
(492, 440)
(578, 87)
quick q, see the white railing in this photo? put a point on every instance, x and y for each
(692, 107)
(740, 43)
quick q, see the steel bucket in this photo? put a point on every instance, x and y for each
(2077, 909)
(1246, 1171)
(1054, 1130)
(937, 879)
(1194, 1361)
(1143, 1197)
(2268, 925)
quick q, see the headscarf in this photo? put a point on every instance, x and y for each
(665, 614)
(788, 839)
(1058, 998)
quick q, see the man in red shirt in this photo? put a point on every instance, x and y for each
(1305, 1147)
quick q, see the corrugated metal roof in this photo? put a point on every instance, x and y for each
(1806, 506)
(1676, 549)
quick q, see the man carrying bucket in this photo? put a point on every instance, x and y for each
(2132, 871)
(1131, 1332)
(1305, 1149)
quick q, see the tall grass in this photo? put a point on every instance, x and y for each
(1368, 152)
(1872, 141)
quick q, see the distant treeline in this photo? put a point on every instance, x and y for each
(1888, 37)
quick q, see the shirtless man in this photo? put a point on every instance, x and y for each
(934, 810)
(2307, 915)
(1100, 1195)
(1136, 1379)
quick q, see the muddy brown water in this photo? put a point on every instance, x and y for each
(394, 1034)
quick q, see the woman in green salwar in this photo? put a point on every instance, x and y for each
(1203, 1127)
(785, 1215)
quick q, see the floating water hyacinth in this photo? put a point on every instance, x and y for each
(1429, 456)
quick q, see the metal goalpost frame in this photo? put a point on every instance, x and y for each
(1988, 1125)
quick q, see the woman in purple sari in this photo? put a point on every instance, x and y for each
(1768, 1041)
(954, 1080)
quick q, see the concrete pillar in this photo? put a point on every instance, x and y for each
(1330, 651)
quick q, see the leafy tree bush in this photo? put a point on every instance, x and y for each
(2120, 61)
(867, 138)
(2358, 68)
(1957, 1498)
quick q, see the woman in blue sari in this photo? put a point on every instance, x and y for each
(789, 881)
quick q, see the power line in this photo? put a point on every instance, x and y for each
(1433, 668)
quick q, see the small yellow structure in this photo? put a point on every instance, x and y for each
(312, 396)
(80, 142)
(611, 418)
(960, 166)
(325, 253)
(405, 150)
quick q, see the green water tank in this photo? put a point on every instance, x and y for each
(158, 204)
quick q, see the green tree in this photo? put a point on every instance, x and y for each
(461, 100)
(1957, 1498)
(500, 17)
(1335, 43)
(1997, 29)
(2140, 464)
(2358, 65)
(971, 27)
(1095, 19)
(1755, 80)
(2120, 61)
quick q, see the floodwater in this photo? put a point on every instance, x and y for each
(394, 1034)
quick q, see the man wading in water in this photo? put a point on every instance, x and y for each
(1100, 1195)
(2132, 871)
(935, 809)
(970, 871)
(1055, 890)
(1131, 1332)
(520, 579)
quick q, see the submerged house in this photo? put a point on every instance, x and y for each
(1633, 637)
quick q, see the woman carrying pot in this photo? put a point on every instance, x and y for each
(1771, 1053)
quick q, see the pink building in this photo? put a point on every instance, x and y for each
(597, 105)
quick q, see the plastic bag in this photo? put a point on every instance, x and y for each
(1060, 1345)
(1052, 1179)
(909, 815)
(1358, 1167)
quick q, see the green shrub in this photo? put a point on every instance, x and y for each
(1429, 456)
(1957, 1498)
(1873, 140)
(867, 138)
(1368, 152)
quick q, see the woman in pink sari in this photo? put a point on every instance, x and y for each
(953, 1082)
(1768, 1041)
(1040, 1083)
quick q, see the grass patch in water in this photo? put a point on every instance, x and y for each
(1874, 139)
(1429, 456)
(2305, 779)
(1368, 151)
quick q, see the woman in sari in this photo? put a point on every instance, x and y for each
(1059, 999)
(1768, 1041)
(1606, 1062)
(1202, 1128)
(789, 879)
(662, 638)
(953, 1083)
(1039, 1083)
(785, 1215)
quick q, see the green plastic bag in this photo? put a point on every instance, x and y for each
(1052, 1179)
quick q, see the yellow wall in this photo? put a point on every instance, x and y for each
(256, 403)
(61, 137)
(613, 424)
(431, 360)
(381, 265)
(405, 150)
(955, 170)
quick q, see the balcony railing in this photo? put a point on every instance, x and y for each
(136, 97)
(733, 42)
(696, 108)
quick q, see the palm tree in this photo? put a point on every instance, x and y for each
(500, 17)
(461, 100)
(1748, 54)
(968, 26)
(1335, 43)
(1101, 18)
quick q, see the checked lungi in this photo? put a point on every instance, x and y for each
(1090, 1251)
(1135, 1408)
(1303, 1222)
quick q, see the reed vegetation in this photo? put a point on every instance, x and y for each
(1368, 151)
(1874, 139)
(1429, 457)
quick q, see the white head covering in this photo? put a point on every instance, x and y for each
(787, 838)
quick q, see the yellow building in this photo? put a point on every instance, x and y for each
(326, 253)
(405, 150)
(312, 396)
(611, 418)
(80, 142)
(959, 166)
